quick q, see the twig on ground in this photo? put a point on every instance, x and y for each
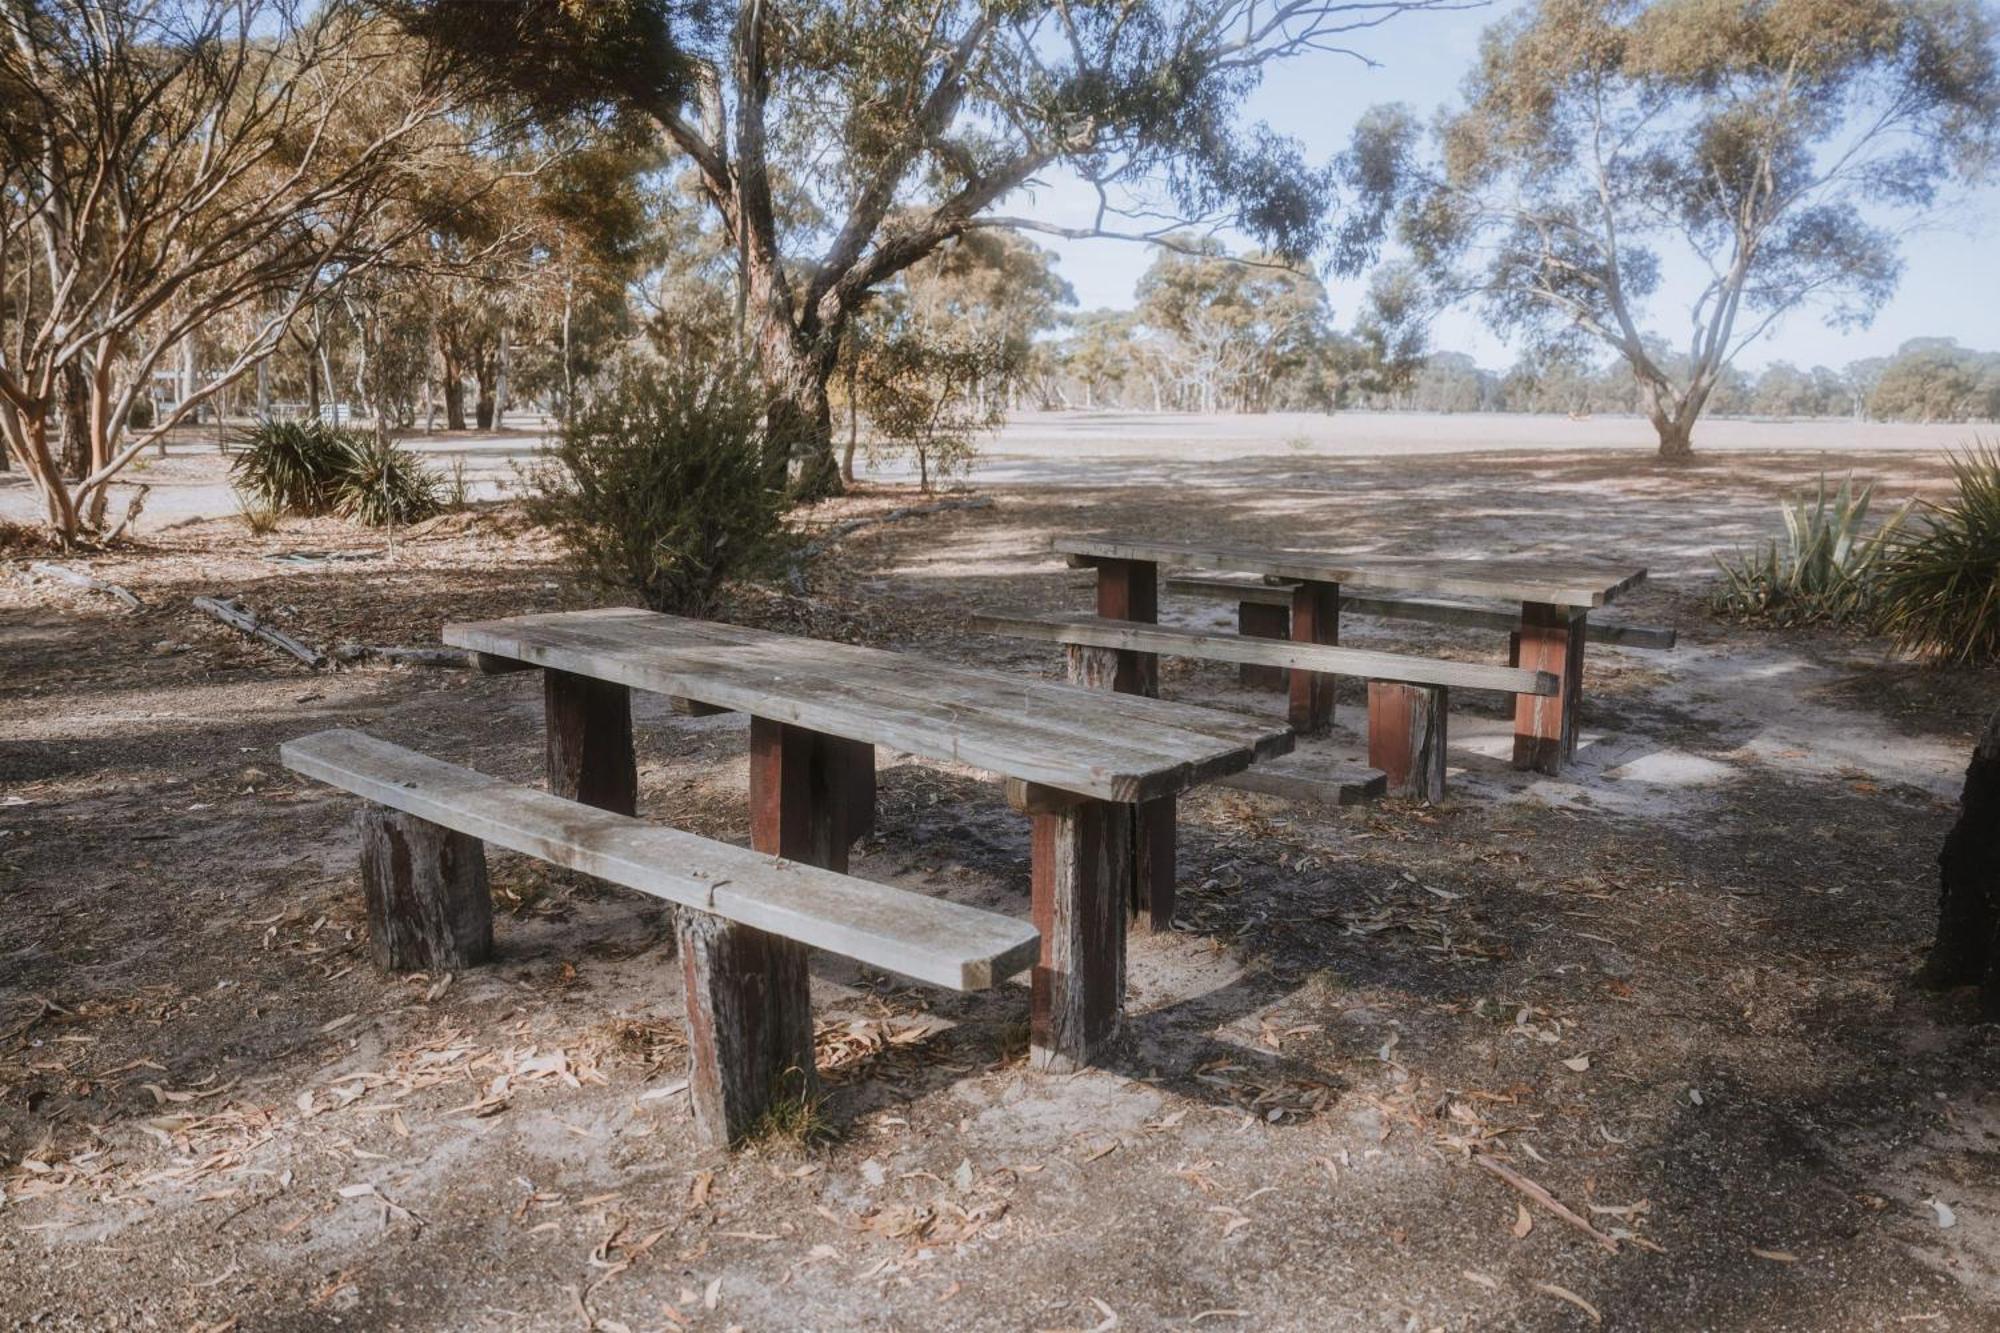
(237, 617)
(76, 578)
(1545, 1199)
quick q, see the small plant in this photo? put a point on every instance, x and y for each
(1940, 581)
(290, 466)
(260, 518)
(457, 487)
(655, 486)
(796, 1117)
(384, 486)
(1824, 571)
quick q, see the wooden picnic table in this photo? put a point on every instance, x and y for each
(1076, 761)
(1555, 597)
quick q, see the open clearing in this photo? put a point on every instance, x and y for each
(1670, 986)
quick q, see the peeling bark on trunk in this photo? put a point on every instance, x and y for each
(75, 423)
(1967, 949)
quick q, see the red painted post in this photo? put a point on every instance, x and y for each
(1406, 737)
(1130, 590)
(1550, 640)
(1315, 619)
(1081, 857)
(799, 788)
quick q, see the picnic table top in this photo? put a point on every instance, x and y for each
(1556, 582)
(1117, 747)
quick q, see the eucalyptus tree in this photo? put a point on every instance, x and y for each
(909, 125)
(1774, 148)
(174, 170)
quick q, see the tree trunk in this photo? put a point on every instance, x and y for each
(504, 360)
(1676, 443)
(75, 422)
(853, 418)
(482, 412)
(1968, 936)
(799, 421)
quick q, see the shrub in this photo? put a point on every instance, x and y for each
(1940, 582)
(655, 486)
(290, 466)
(1824, 571)
(310, 467)
(382, 485)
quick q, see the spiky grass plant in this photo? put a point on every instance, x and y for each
(1940, 582)
(1825, 569)
(384, 486)
(290, 466)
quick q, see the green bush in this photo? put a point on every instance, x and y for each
(380, 485)
(290, 467)
(1824, 571)
(1940, 582)
(655, 486)
(309, 468)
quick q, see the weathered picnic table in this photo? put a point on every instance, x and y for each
(1555, 596)
(1076, 762)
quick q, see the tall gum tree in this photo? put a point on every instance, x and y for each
(1777, 146)
(909, 125)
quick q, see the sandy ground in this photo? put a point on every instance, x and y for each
(1669, 987)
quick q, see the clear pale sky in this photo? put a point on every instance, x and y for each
(1951, 277)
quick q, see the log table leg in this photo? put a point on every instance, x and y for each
(1130, 590)
(1551, 639)
(1081, 850)
(1261, 620)
(749, 1000)
(590, 741)
(1406, 737)
(429, 908)
(856, 759)
(1315, 619)
(1150, 899)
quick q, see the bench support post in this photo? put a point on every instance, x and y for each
(1082, 867)
(1261, 620)
(749, 1023)
(1551, 639)
(802, 785)
(1151, 896)
(1315, 619)
(1130, 590)
(429, 908)
(1406, 737)
(590, 741)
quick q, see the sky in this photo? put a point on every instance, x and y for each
(1951, 278)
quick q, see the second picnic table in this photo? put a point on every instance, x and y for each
(1077, 762)
(1555, 596)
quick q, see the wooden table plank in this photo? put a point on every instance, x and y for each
(1113, 747)
(1555, 582)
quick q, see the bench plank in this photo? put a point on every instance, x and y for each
(1362, 662)
(1252, 593)
(1117, 747)
(1561, 582)
(930, 939)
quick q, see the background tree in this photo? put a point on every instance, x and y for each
(1755, 139)
(171, 171)
(909, 127)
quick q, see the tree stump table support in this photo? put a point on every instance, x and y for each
(429, 907)
(1551, 638)
(1315, 619)
(1406, 737)
(1261, 620)
(1150, 898)
(590, 756)
(1082, 850)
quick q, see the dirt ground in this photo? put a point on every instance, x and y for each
(1670, 988)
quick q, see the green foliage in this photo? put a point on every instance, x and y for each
(1826, 569)
(308, 468)
(384, 486)
(290, 467)
(655, 486)
(1940, 581)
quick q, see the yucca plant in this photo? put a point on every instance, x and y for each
(1825, 570)
(383, 486)
(1940, 593)
(290, 466)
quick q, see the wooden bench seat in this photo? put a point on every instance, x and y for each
(749, 1023)
(1408, 696)
(1256, 592)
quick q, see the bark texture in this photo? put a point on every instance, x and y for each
(1967, 949)
(590, 755)
(1082, 865)
(429, 908)
(749, 1023)
(1406, 737)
